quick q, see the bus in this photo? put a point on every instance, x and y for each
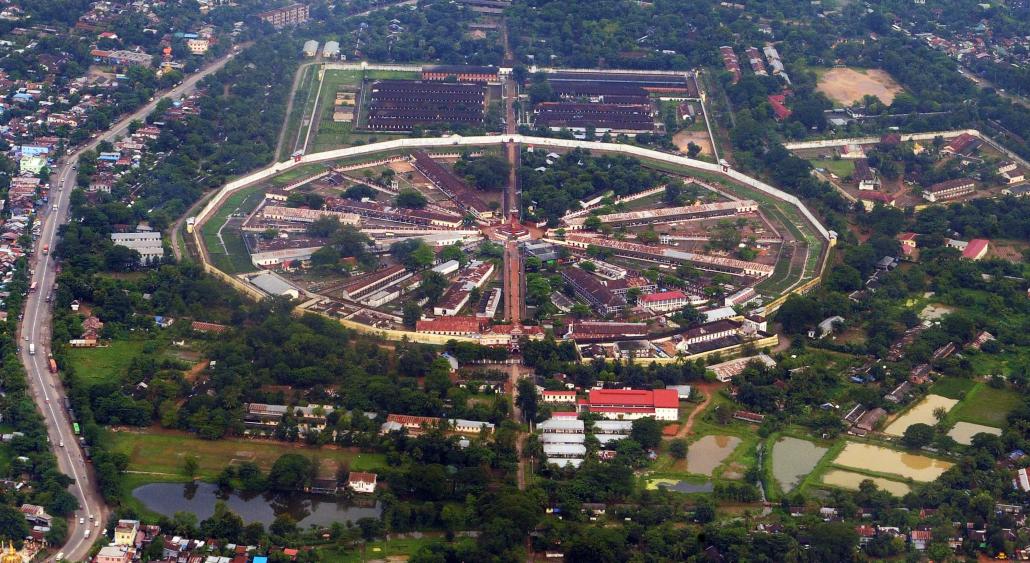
(75, 428)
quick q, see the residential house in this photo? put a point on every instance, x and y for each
(361, 482)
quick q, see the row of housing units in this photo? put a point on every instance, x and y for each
(610, 103)
(754, 58)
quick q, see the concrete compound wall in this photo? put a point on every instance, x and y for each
(826, 143)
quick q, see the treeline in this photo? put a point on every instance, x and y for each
(575, 176)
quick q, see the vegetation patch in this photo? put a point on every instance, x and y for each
(107, 363)
(986, 405)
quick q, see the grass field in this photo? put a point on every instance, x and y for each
(841, 167)
(952, 387)
(96, 365)
(161, 453)
(390, 550)
(332, 135)
(986, 405)
(233, 258)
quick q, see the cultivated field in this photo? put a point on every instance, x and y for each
(849, 85)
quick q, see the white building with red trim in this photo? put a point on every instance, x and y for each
(558, 397)
(664, 301)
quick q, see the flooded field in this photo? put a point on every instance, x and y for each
(709, 452)
(680, 486)
(850, 480)
(921, 413)
(792, 459)
(963, 432)
(884, 460)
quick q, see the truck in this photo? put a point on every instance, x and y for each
(32, 348)
(46, 249)
(53, 366)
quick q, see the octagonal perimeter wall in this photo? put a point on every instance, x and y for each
(457, 141)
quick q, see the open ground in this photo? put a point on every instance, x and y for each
(850, 85)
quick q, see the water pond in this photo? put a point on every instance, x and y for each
(963, 432)
(921, 413)
(851, 480)
(793, 459)
(885, 460)
(200, 499)
(709, 452)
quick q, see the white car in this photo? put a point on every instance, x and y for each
(82, 520)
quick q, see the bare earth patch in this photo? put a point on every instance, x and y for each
(848, 85)
(699, 138)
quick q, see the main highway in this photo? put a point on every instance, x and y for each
(46, 388)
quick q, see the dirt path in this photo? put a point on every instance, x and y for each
(708, 390)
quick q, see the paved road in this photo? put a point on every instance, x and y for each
(45, 388)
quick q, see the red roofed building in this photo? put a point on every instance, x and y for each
(908, 243)
(869, 199)
(452, 326)
(361, 482)
(976, 249)
(630, 404)
(780, 109)
(960, 144)
(664, 301)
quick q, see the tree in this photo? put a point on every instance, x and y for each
(412, 313)
(693, 149)
(917, 436)
(648, 237)
(190, 465)
(291, 472)
(284, 526)
(647, 432)
(323, 227)
(526, 398)
(833, 541)
(411, 199)
(678, 448)
(357, 192)
(326, 256)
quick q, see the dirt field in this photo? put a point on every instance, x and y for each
(699, 138)
(848, 85)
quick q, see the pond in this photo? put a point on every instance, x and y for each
(851, 480)
(200, 498)
(793, 459)
(885, 460)
(706, 454)
(963, 432)
(921, 413)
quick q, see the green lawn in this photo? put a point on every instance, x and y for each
(233, 258)
(379, 550)
(952, 387)
(96, 365)
(162, 453)
(986, 405)
(841, 168)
